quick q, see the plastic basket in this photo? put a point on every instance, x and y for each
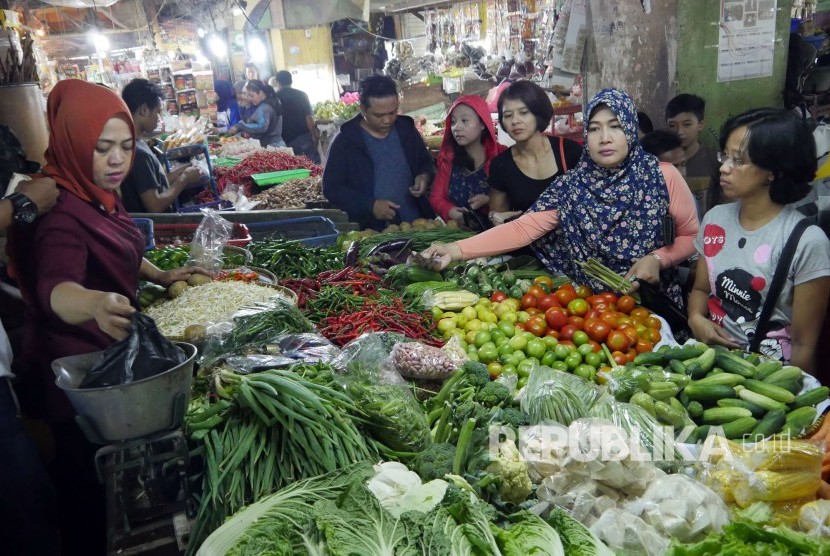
(146, 227)
(175, 234)
(314, 231)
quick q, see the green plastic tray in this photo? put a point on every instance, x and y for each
(225, 161)
(271, 178)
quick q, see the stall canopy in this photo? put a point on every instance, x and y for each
(302, 14)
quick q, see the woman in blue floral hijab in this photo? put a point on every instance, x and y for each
(611, 207)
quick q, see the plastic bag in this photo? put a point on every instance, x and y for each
(814, 518)
(142, 354)
(625, 533)
(423, 362)
(391, 413)
(552, 395)
(206, 250)
(286, 350)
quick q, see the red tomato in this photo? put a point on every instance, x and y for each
(594, 299)
(529, 300)
(599, 331)
(640, 312)
(552, 332)
(521, 326)
(654, 323)
(545, 282)
(619, 357)
(595, 345)
(547, 301)
(643, 346)
(533, 311)
(610, 297)
(567, 343)
(617, 341)
(498, 297)
(583, 291)
(631, 354)
(537, 326)
(578, 307)
(536, 291)
(579, 322)
(565, 296)
(610, 318)
(589, 323)
(567, 332)
(631, 333)
(592, 314)
(626, 303)
(556, 317)
(654, 336)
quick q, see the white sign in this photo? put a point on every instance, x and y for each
(747, 39)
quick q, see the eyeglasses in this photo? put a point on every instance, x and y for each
(733, 161)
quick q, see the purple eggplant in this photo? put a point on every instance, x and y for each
(352, 254)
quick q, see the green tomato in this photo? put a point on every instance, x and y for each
(447, 324)
(508, 370)
(518, 342)
(501, 341)
(580, 338)
(586, 371)
(524, 367)
(521, 383)
(585, 349)
(561, 351)
(548, 358)
(593, 359)
(573, 360)
(496, 333)
(488, 354)
(506, 349)
(482, 338)
(471, 349)
(473, 356)
(536, 348)
(560, 366)
(550, 342)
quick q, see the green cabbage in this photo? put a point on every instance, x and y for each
(576, 538)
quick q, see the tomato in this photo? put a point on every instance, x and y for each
(617, 341)
(547, 301)
(589, 324)
(610, 297)
(579, 338)
(626, 303)
(642, 330)
(623, 320)
(565, 296)
(553, 333)
(567, 343)
(654, 323)
(545, 281)
(599, 331)
(643, 346)
(521, 326)
(537, 325)
(498, 297)
(583, 291)
(610, 318)
(592, 314)
(533, 311)
(654, 336)
(578, 307)
(556, 317)
(536, 292)
(529, 300)
(640, 312)
(619, 357)
(579, 322)
(630, 355)
(567, 332)
(594, 299)
(595, 347)
(631, 333)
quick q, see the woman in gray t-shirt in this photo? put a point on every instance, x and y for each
(767, 160)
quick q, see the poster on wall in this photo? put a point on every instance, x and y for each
(747, 39)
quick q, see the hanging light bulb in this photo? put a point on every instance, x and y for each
(217, 46)
(256, 50)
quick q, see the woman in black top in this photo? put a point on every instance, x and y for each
(519, 175)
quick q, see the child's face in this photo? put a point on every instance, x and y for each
(674, 156)
(687, 127)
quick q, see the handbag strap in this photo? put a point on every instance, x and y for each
(777, 283)
(562, 154)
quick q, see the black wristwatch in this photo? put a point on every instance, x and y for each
(23, 208)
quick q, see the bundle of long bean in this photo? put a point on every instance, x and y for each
(292, 259)
(282, 428)
(605, 275)
(419, 239)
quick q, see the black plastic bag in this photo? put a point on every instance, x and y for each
(143, 354)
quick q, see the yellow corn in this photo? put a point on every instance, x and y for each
(771, 486)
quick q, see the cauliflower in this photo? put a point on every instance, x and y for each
(509, 466)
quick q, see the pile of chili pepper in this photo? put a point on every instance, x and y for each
(238, 275)
(285, 257)
(260, 163)
(351, 279)
(379, 317)
(336, 299)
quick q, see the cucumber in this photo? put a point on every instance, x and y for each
(759, 399)
(676, 366)
(644, 401)
(769, 425)
(723, 415)
(695, 409)
(709, 392)
(733, 363)
(707, 359)
(682, 353)
(770, 390)
(811, 397)
(757, 411)
(728, 379)
(695, 371)
(767, 368)
(784, 374)
(650, 358)
(791, 386)
(739, 427)
(662, 390)
(799, 419)
(669, 415)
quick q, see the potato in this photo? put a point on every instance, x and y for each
(419, 221)
(452, 224)
(195, 333)
(392, 228)
(177, 288)
(198, 280)
(406, 226)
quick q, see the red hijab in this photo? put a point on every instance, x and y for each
(77, 112)
(447, 153)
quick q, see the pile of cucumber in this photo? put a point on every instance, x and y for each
(714, 387)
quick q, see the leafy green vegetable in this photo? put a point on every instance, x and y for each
(743, 538)
(577, 539)
(528, 535)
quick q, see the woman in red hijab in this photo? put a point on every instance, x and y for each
(468, 147)
(79, 270)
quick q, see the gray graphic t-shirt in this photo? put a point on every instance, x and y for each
(741, 264)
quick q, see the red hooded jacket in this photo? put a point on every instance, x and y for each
(439, 197)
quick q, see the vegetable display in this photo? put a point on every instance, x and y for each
(291, 259)
(291, 194)
(259, 163)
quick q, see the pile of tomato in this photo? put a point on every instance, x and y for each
(575, 315)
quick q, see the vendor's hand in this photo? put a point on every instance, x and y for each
(457, 214)
(232, 130)
(501, 217)
(645, 269)
(191, 175)
(420, 185)
(478, 201)
(441, 254)
(43, 192)
(710, 333)
(113, 314)
(167, 277)
(385, 210)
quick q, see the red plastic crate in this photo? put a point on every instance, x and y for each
(177, 234)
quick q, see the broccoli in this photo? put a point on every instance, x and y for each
(463, 383)
(434, 462)
(470, 409)
(493, 394)
(512, 417)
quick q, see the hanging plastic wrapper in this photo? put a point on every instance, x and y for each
(213, 233)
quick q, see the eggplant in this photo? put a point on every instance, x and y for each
(397, 250)
(352, 253)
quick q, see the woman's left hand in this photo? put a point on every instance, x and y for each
(645, 269)
(167, 277)
(478, 201)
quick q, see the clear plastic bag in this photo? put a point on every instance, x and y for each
(627, 534)
(552, 395)
(420, 361)
(391, 412)
(213, 233)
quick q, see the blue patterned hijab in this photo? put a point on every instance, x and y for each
(614, 215)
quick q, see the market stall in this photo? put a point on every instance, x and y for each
(317, 362)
